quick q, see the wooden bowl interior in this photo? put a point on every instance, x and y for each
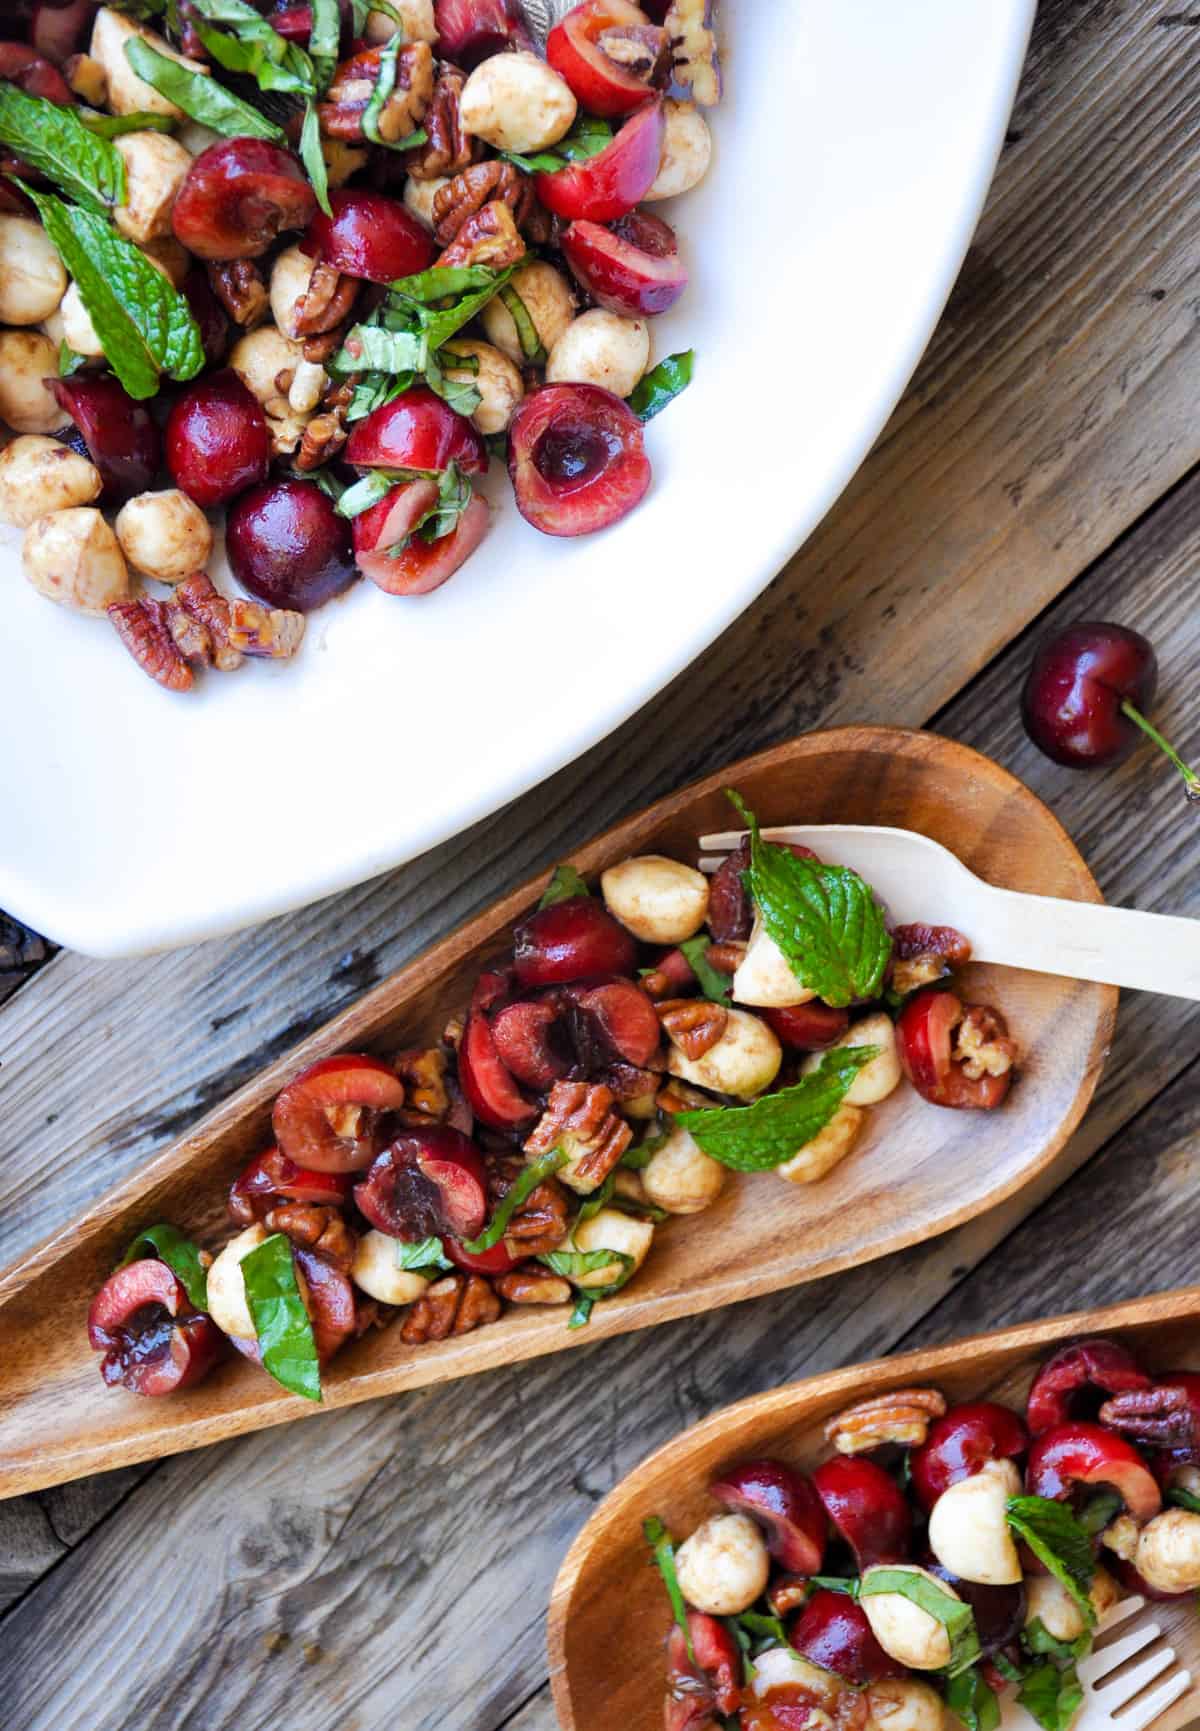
(609, 1601)
(918, 1171)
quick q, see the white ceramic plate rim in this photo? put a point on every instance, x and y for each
(104, 848)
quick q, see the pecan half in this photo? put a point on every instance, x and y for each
(447, 149)
(787, 1594)
(899, 1417)
(693, 49)
(579, 1118)
(422, 1069)
(320, 441)
(725, 958)
(693, 1024)
(326, 302)
(241, 290)
(1162, 1416)
(533, 1286)
(199, 598)
(539, 1223)
(323, 1230)
(489, 237)
(456, 1304)
(144, 627)
(981, 1044)
(470, 190)
(924, 954)
(353, 86)
(275, 632)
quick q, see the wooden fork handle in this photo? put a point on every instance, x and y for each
(1085, 941)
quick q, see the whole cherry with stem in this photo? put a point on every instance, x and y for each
(1085, 698)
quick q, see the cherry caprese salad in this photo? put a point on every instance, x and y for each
(942, 1556)
(631, 1048)
(319, 263)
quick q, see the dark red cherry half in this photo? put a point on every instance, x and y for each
(576, 939)
(833, 1631)
(326, 1117)
(153, 1342)
(867, 1508)
(217, 440)
(416, 430)
(271, 1177)
(999, 1611)
(369, 235)
(30, 72)
(331, 1304)
(785, 1505)
(472, 30)
(626, 1018)
(490, 1088)
(599, 84)
(609, 184)
(239, 195)
(576, 459)
(426, 1183)
(524, 1038)
(807, 1027)
(121, 435)
(632, 268)
(961, 1443)
(923, 1038)
(421, 566)
(1080, 1454)
(1073, 1382)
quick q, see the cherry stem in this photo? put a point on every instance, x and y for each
(1191, 779)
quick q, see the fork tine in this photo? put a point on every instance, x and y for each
(1121, 1612)
(1122, 1689)
(1143, 1712)
(725, 839)
(1099, 1664)
(711, 862)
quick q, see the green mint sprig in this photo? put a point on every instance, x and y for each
(1055, 1537)
(55, 141)
(281, 1323)
(200, 96)
(763, 1135)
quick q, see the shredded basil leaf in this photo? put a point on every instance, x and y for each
(597, 1200)
(255, 48)
(281, 1323)
(581, 1313)
(763, 1135)
(1181, 1499)
(375, 485)
(54, 140)
(422, 1255)
(955, 1615)
(371, 348)
(1099, 1510)
(463, 395)
(527, 334)
(564, 886)
(973, 1700)
(313, 158)
(1037, 1639)
(199, 95)
(181, 1256)
(323, 40)
(587, 138)
(662, 384)
(571, 1264)
(713, 984)
(1056, 1539)
(117, 125)
(526, 1183)
(662, 1547)
(1053, 1697)
(642, 1154)
(836, 1584)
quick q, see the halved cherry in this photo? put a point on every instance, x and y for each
(1086, 1454)
(416, 430)
(626, 1018)
(609, 184)
(498, 1260)
(491, 1091)
(866, 1507)
(424, 1184)
(575, 939)
(524, 1036)
(576, 459)
(808, 1027)
(785, 1505)
(271, 1177)
(326, 1117)
(392, 519)
(1087, 1368)
(120, 433)
(369, 235)
(632, 268)
(217, 440)
(329, 1300)
(961, 1443)
(471, 30)
(422, 566)
(833, 1631)
(600, 84)
(152, 1339)
(712, 1682)
(21, 66)
(923, 1036)
(239, 195)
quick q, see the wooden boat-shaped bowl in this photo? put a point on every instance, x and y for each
(920, 1171)
(609, 1614)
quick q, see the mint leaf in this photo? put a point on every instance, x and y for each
(955, 1615)
(662, 1548)
(757, 1137)
(1056, 1539)
(829, 923)
(424, 1255)
(281, 1323)
(973, 1700)
(144, 324)
(527, 336)
(526, 1183)
(713, 984)
(181, 1256)
(662, 384)
(1037, 1639)
(255, 49)
(1052, 1696)
(116, 125)
(1181, 1499)
(54, 140)
(200, 96)
(313, 158)
(564, 886)
(68, 361)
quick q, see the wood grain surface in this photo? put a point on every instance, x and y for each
(390, 1565)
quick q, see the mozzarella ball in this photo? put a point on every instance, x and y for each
(497, 380)
(416, 22)
(290, 276)
(777, 1668)
(764, 974)
(827, 1149)
(377, 1270)
(72, 557)
(903, 1704)
(547, 298)
(259, 358)
(127, 93)
(307, 387)
(155, 169)
(1168, 1552)
(32, 278)
(744, 1061)
(660, 900)
(227, 1285)
(968, 1528)
(724, 1566)
(876, 1080)
(909, 1634)
(601, 348)
(27, 359)
(680, 1176)
(686, 150)
(419, 196)
(78, 327)
(1048, 1602)
(55, 328)
(609, 1229)
(38, 475)
(516, 102)
(164, 535)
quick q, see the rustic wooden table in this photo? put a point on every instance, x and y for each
(389, 1565)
